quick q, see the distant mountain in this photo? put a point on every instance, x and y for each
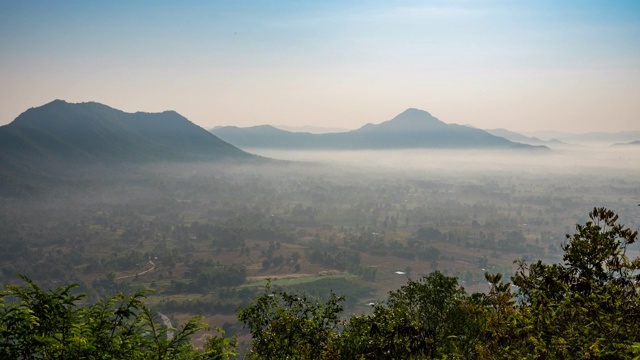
(311, 129)
(93, 132)
(411, 129)
(632, 143)
(263, 136)
(591, 137)
(517, 137)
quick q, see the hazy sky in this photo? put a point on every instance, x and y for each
(522, 65)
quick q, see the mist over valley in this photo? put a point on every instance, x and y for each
(119, 201)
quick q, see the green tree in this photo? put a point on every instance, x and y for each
(38, 324)
(429, 318)
(506, 330)
(586, 307)
(288, 326)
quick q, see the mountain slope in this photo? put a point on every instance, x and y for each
(63, 144)
(412, 128)
(95, 132)
(631, 144)
(517, 137)
(263, 136)
(590, 137)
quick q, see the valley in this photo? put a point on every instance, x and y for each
(126, 202)
(207, 236)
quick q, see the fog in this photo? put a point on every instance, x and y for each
(596, 160)
(347, 220)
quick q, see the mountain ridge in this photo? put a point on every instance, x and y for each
(92, 131)
(631, 143)
(517, 137)
(413, 128)
(588, 137)
(65, 144)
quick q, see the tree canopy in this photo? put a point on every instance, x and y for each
(38, 324)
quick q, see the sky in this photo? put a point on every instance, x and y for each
(521, 65)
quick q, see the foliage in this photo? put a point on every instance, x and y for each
(587, 307)
(429, 318)
(288, 326)
(36, 324)
(426, 318)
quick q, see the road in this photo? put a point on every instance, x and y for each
(165, 318)
(167, 323)
(153, 266)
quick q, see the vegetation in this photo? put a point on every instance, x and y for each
(35, 324)
(587, 307)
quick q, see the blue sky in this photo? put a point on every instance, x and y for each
(522, 65)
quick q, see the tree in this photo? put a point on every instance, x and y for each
(288, 326)
(36, 324)
(587, 307)
(506, 332)
(429, 318)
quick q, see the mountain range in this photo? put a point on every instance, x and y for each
(412, 128)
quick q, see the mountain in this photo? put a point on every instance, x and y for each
(517, 137)
(311, 129)
(264, 136)
(70, 144)
(412, 128)
(93, 132)
(591, 137)
(632, 143)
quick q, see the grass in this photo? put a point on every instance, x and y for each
(297, 281)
